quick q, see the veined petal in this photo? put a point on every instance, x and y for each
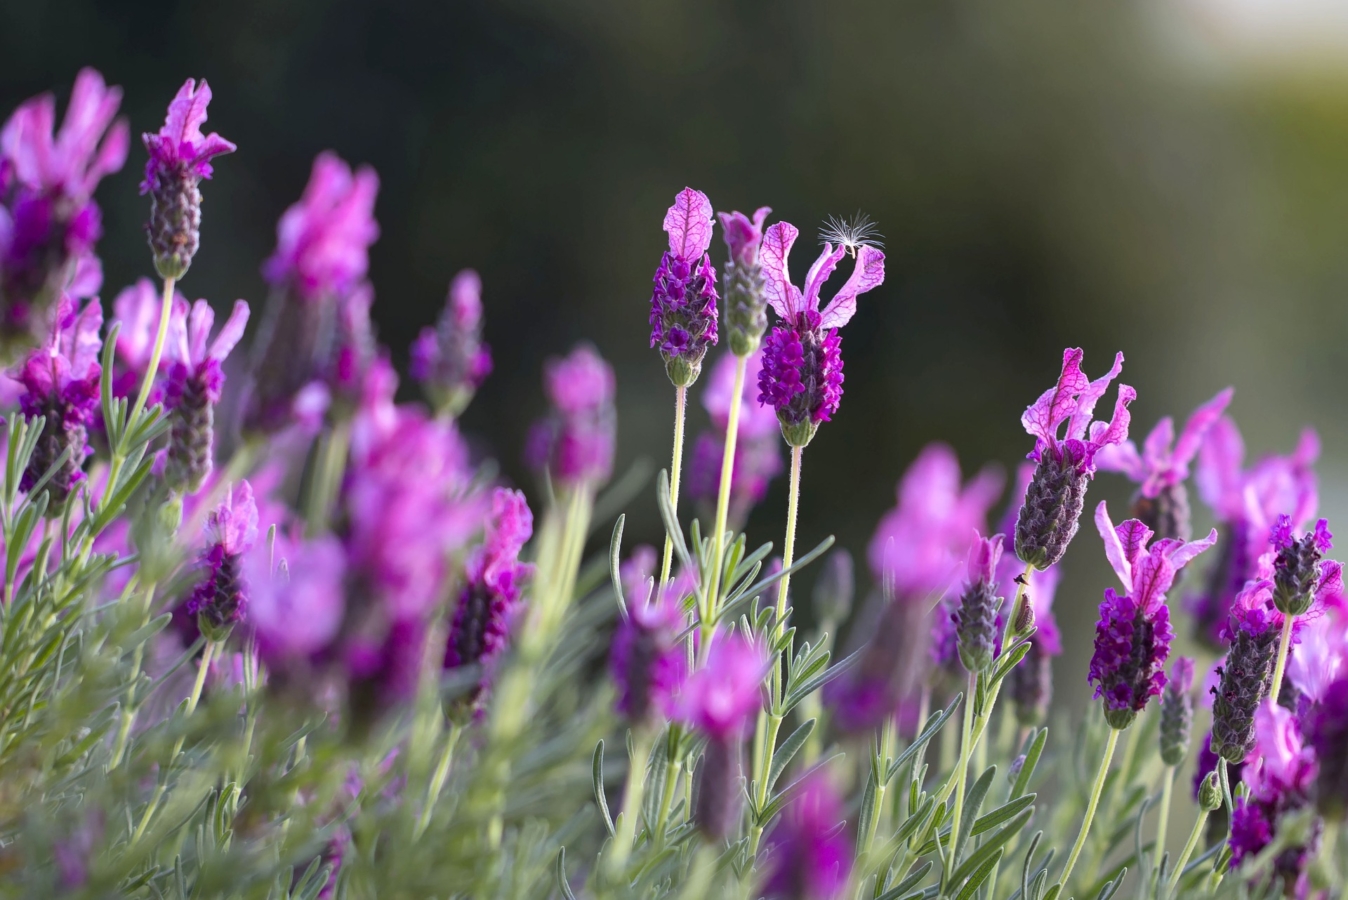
(777, 287)
(1196, 429)
(1056, 405)
(689, 224)
(1187, 551)
(1115, 551)
(1117, 429)
(1088, 396)
(868, 274)
(230, 333)
(819, 272)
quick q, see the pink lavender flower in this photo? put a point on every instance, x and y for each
(1253, 631)
(1132, 638)
(60, 386)
(1301, 576)
(683, 302)
(575, 443)
(746, 304)
(220, 600)
(758, 457)
(49, 222)
(1247, 502)
(450, 360)
(493, 592)
(809, 855)
(647, 660)
(1320, 657)
(1177, 711)
(180, 156)
(976, 619)
(1161, 502)
(802, 372)
(1065, 463)
(192, 388)
(296, 605)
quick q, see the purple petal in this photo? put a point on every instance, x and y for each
(1056, 405)
(1220, 457)
(1089, 396)
(819, 273)
(1152, 577)
(777, 287)
(1191, 549)
(868, 274)
(1156, 449)
(230, 333)
(1115, 551)
(186, 113)
(1122, 458)
(1196, 429)
(689, 224)
(1117, 430)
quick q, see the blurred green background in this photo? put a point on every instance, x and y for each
(1168, 179)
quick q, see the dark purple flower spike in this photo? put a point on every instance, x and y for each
(683, 302)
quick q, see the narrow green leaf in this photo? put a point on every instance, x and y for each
(668, 517)
(562, 883)
(973, 800)
(788, 750)
(903, 887)
(1040, 738)
(597, 774)
(979, 876)
(934, 725)
(615, 546)
(992, 845)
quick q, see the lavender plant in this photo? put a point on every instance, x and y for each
(268, 632)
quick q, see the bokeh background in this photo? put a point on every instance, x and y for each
(1165, 178)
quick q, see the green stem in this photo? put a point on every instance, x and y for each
(165, 313)
(713, 588)
(438, 779)
(961, 772)
(633, 793)
(676, 467)
(329, 466)
(789, 547)
(1187, 852)
(1281, 664)
(1163, 823)
(671, 781)
(1090, 814)
(884, 751)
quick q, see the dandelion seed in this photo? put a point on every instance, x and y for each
(851, 232)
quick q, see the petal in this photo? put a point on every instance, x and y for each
(1220, 458)
(1156, 448)
(1196, 429)
(176, 345)
(1122, 458)
(1189, 550)
(1134, 536)
(868, 274)
(1114, 549)
(777, 286)
(1089, 396)
(819, 273)
(689, 224)
(230, 333)
(199, 324)
(86, 342)
(1117, 429)
(1055, 405)
(186, 113)
(1152, 577)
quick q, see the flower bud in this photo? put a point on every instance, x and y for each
(976, 619)
(1017, 765)
(1210, 793)
(834, 590)
(1296, 570)
(1177, 712)
(716, 808)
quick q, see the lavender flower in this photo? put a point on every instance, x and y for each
(1132, 638)
(802, 372)
(683, 303)
(1064, 465)
(180, 156)
(746, 304)
(758, 457)
(220, 600)
(647, 660)
(976, 620)
(1177, 711)
(49, 222)
(1247, 503)
(1161, 502)
(1253, 631)
(1320, 656)
(296, 605)
(60, 386)
(490, 600)
(192, 389)
(575, 443)
(450, 360)
(809, 855)
(1301, 575)
(1327, 733)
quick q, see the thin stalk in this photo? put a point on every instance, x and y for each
(438, 778)
(329, 466)
(789, 547)
(884, 750)
(633, 793)
(1090, 814)
(1281, 664)
(961, 771)
(1187, 852)
(676, 467)
(165, 312)
(723, 495)
(671, 782)
(1162, 824)
(129, 705)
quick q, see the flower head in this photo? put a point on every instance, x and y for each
(683, 301)
(1177, 711)
(1301, 576)
(575, 443)
(220, 600)
(647, 660)
(976, 620)
(743, 235)
(809, 854)
(1253, 631)
(746, 304)
(802, 358)
(722, 697)
(450, 360)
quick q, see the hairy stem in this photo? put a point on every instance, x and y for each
(961, 771)
(1187, 852)
(676, 467)
(713, 588)
(1283, 646)
(1096, 789)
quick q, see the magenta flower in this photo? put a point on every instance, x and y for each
(1320, 657)
(192, 388)
(1132, 638)
(1160, 470)
(450, 360)
(976, 618)
(683, 302)
(1327, 733)
(1301, 576)
(647, 660)
(220, 600)
(493, 594)
(1065, 462)
(802, 372)
(296, 607)
(809, 855)
(1247, 503)
(180, 156)
(746, 303)
(1253, 631)
(49, 222)
(60, 385)
(575, 443)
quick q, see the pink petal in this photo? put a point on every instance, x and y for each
(1089, 396)
(230, 333)
(777, 286)
(86, 341)
(1191, 549)
(186, 112)
(819, 273)
(199, 324)
(1117, 429)
(689, 224)
(1055, 405)
(868, 274)
(1115, 552)
(1134, 536)
(1220, 457)
(1196, 429)
(1122, 458)
(1156, 449)
(1152, 577)
(177, 345)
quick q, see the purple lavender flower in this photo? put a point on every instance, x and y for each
(192, 388)
(49, 222)
(1301, 576)
(1253, 630)
(1064, 465)
(683, 303)
(490, 600)
(450, 360)
(1177, 711)
(180, 156)
(758, 457)
(1161, 502)
(296, 605)
(60, 386)
(575, 443)
(809, 855)
(1327, 733)
(1320, 656)
(220, 600)
(1132, 638)
(746, 304)
(1246, 503)
(976, 620)
(647, 660)
(802, 372)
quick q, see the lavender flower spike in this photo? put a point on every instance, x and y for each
(1177, 712)
(1132, 638)
(1051, 513)
(194, 382)
(1253, 632)
(647, 660)
(450, 360)
(746, 304)
(802, 371)
(1161, 501)
(220, 600)
(575, 443)
(976, 620)
(683, 302)
(180, 156)
(809, 855)
(1301, 575)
